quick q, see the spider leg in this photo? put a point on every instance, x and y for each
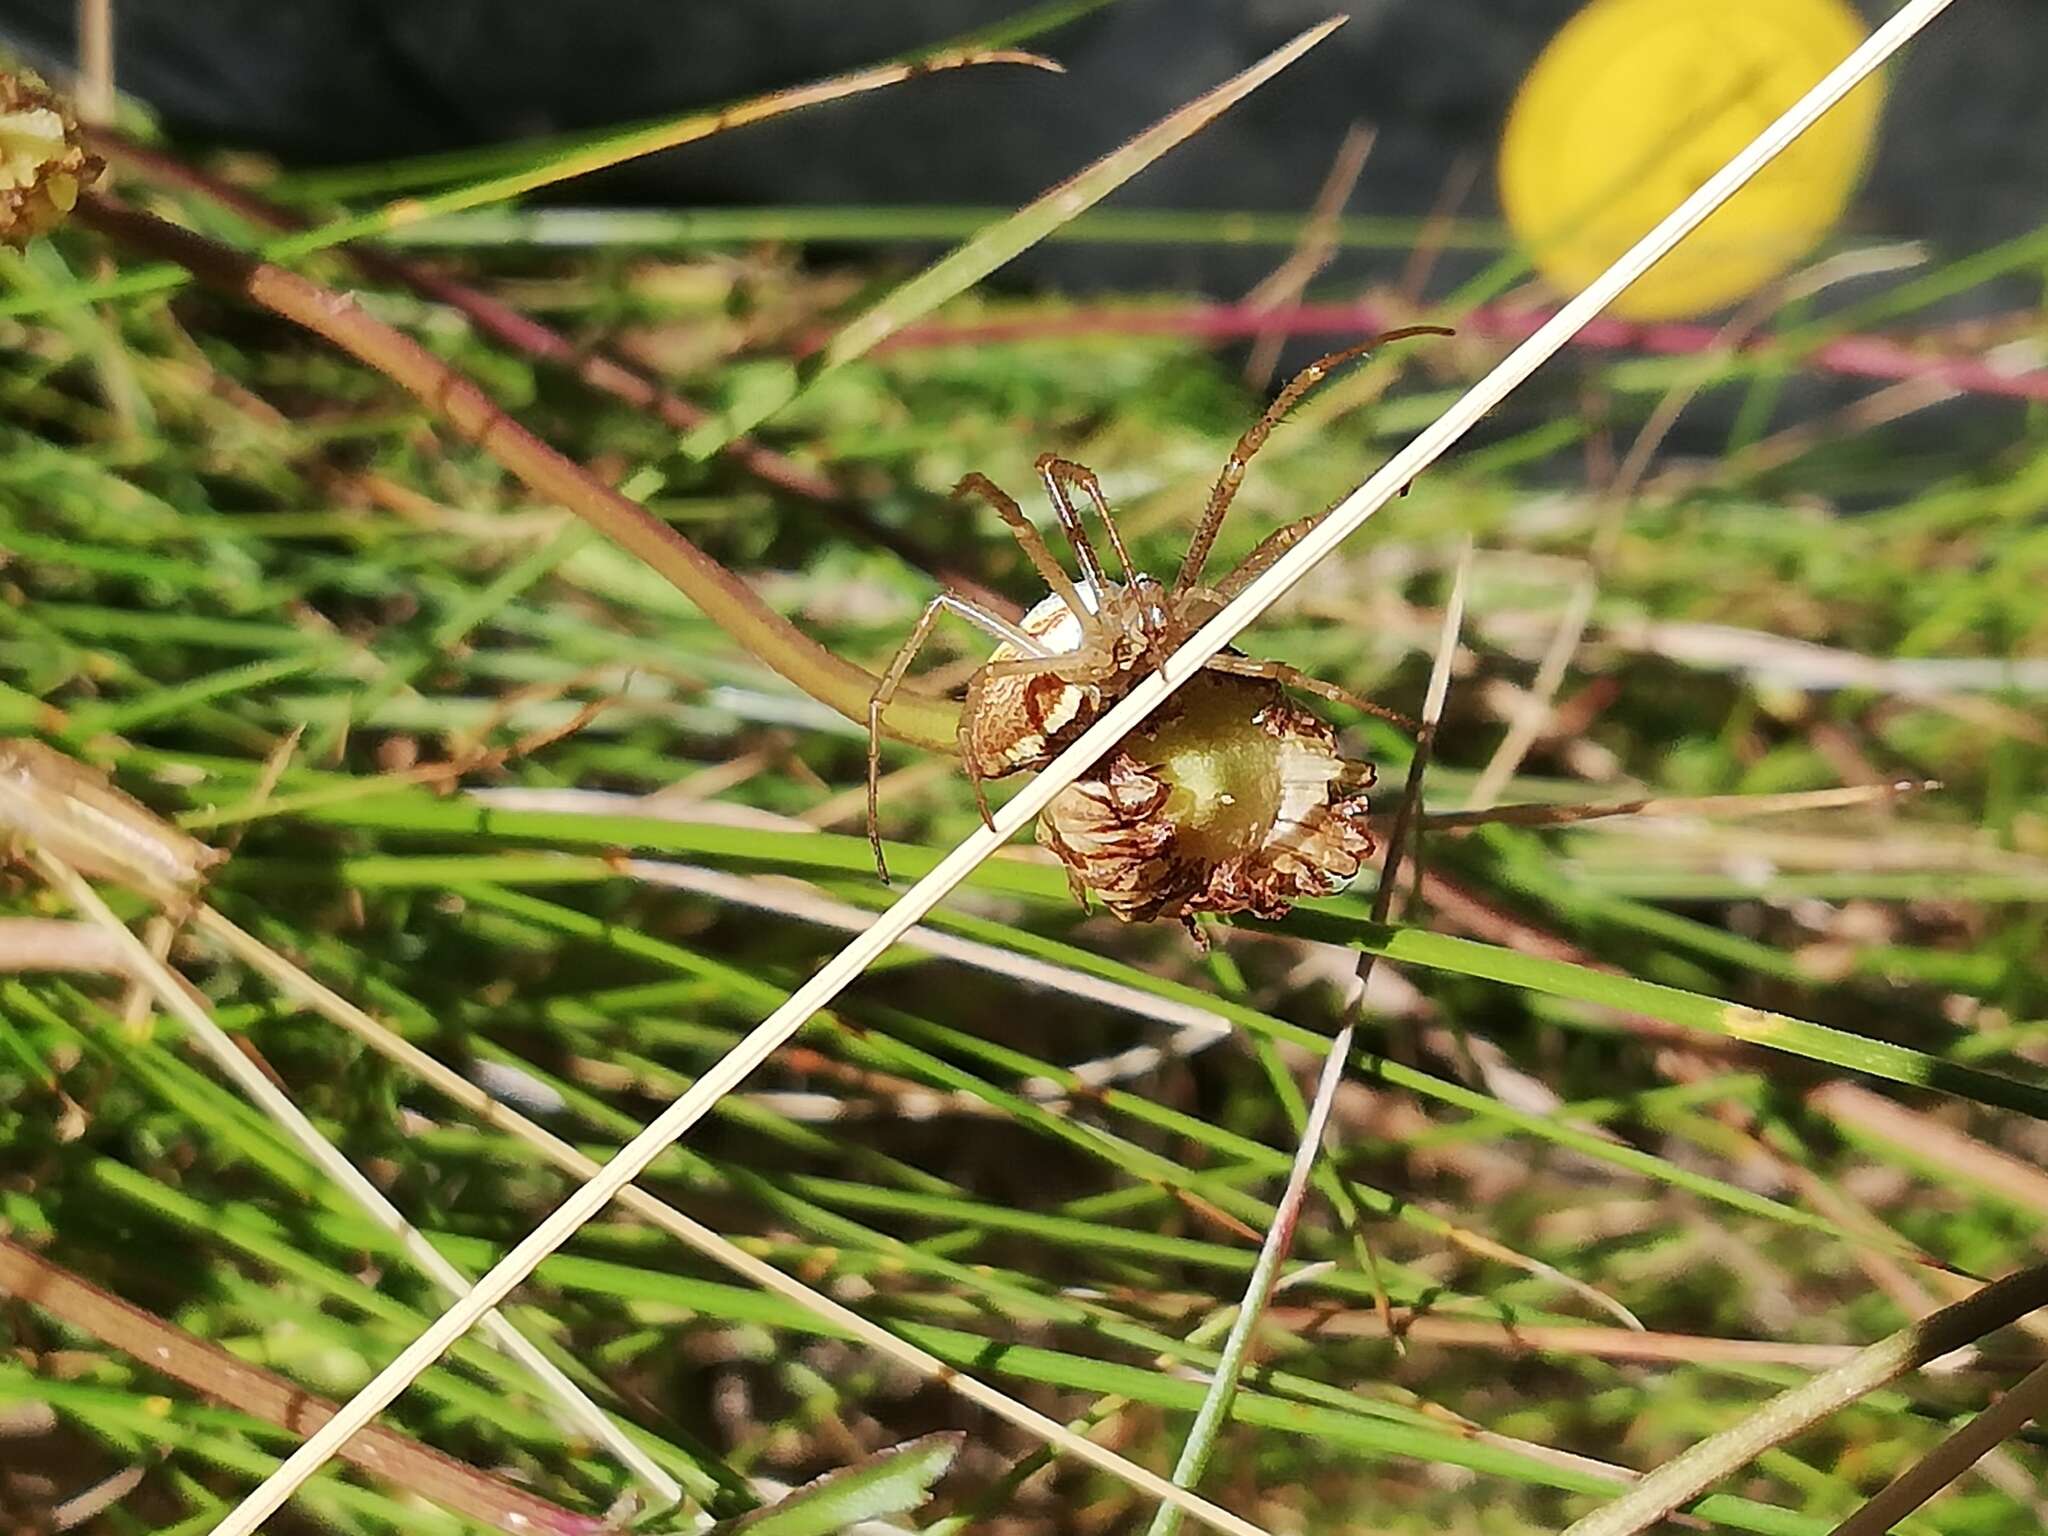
(980, 794)
(1082, 661)
(1264, 553)
(1293, 677)
(878, 701)
(1033, 544)
(1232, 474)
(1058, 474)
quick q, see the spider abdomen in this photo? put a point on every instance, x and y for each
(1019, 719)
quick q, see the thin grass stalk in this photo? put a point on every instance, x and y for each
(1792, 1412)
(580, 158)
(1718, 806)
(1223, 1384)
(575, 1408)
(958, 270)
(1145, 696)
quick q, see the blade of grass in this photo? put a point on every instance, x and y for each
(1691, 1010)
(439, 169)
(688, 229)
(889, 1482)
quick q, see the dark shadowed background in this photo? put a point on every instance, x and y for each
(1963, 161)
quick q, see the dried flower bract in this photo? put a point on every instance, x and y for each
(1233, 798)
(43, 166)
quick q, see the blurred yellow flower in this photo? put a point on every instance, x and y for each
(1635, 103)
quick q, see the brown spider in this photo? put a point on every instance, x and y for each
(1180, 818)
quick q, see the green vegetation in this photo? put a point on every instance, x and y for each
(1603, 1067)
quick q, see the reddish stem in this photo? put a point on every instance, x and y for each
(1864, 356)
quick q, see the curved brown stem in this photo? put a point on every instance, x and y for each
(168, 1350)
(457, 400)
(595, 368)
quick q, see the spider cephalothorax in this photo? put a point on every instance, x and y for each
(1232, 797)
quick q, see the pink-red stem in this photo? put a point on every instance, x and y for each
(1877, 357)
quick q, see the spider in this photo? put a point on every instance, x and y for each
(1055, 670)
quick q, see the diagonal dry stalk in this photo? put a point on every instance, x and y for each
(166, 1349)
(1953, 1457)
(473, 414)
(1721, 807)
(1236, 1353)
(1791, 1412)
(1115, 723)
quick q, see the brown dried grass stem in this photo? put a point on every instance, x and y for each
(474, 416)
(1792, 1412)
(206, 1368)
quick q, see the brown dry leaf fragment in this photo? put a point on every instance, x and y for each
(73, 811)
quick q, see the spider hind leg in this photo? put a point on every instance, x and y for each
(892, 680)
(1293, 677)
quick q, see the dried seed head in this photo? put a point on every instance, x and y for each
(1231, 799)
(43, 166)
(70, 809)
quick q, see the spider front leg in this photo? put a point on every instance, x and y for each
(1058, 474)
(1034, 546)
(1293, 677)
(878, 702)
(1270, 549)
(1264, 553)
(1232, 474)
